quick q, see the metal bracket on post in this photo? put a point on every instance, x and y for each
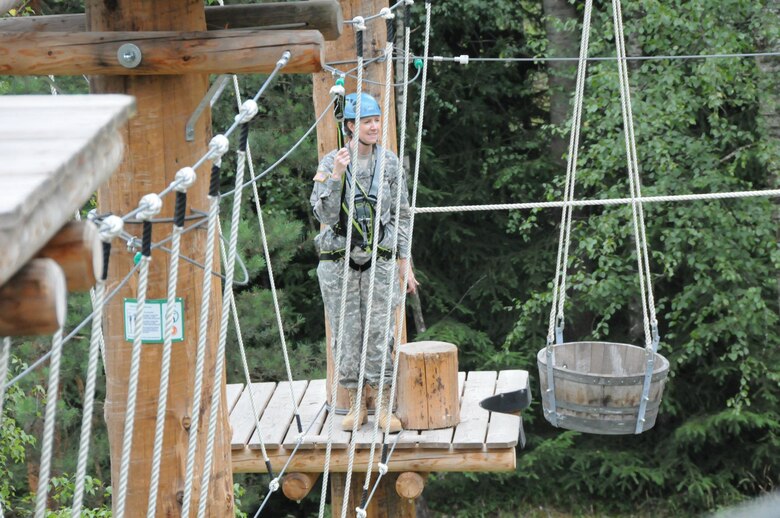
(210, 98)
(552, 412)
(559, 330)
(649, 363)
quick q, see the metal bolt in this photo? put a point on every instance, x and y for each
(129, 55)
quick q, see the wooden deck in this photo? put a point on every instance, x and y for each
(482, 441)
(56, 151)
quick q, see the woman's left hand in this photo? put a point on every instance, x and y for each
(412, 285)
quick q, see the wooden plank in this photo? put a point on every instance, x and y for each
(503, 429)
(242, 419)
(471, 431)
(312, 415)
(443, 437)
(232, 393)
(163, 52)
(250, 460)
(43, 181)
(278, 414)
(319, 15)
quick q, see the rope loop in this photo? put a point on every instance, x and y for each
(218, 146)
(110, 227)
(386, 13)
(149, 207)
(185, 178)
(359, 23)
(248, 111)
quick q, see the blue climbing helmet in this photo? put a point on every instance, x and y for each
(368, 106)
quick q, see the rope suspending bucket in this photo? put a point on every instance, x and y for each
(598, 386)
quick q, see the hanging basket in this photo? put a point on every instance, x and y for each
(598, 386)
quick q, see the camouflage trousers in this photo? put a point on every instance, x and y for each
(330, 276)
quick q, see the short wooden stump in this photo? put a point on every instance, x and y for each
(428, 385)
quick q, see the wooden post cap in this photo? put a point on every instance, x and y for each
(34, 301)
(410, 484)
(296, 486)
(427, 384)
(78, 250)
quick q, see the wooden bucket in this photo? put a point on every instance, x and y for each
(598, 386)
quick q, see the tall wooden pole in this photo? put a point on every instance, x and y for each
(156, 150)
(343, 49)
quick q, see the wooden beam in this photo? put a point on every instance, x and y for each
(250, 460)
(163, 52)
(78, 250)
(34, 301)
(317, 15)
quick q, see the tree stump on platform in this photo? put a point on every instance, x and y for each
(428, 385)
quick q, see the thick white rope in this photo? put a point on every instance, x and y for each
(637, 209)
(564, 244)
(230, 265)
(242, 350)
(47, 446)
(200, 354)
(267, 254)
(673, 198)
(372, 276)
(165, 364)
(391, 281)
(153, 205)
(89, 398)
(415, 184)
(5, 356)
(339, 333)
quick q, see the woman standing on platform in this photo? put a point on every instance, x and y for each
(330, 205)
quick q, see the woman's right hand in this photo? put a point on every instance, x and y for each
(340, 162)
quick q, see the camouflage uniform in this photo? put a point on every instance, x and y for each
(326, 202)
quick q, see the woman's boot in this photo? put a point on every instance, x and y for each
(395, 423)
(349, 419)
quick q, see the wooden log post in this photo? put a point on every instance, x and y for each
(156, 150)
(410, 485)
(34, 301)
(296, 486)
(78, 250)
(428, 386)
(386, 502)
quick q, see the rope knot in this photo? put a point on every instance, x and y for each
(218, 146)
(248, 111)
(409, 2)
(274, 485)
(386, 13)
(359, 23)
(383, 469)
(185, 178)
(463, 59)
(337, 90)
(360, 512)
(299, 438)
(110, 227)
(150, 206)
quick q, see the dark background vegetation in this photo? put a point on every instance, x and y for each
(494, 133)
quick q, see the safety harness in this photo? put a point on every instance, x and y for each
(363, 220)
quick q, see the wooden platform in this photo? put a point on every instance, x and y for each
(56, 151)
(482, 441)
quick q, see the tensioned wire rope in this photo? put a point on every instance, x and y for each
(465, 59)
(387, 454)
